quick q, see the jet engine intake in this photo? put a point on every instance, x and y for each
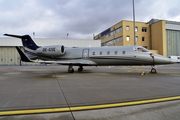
(51, 51)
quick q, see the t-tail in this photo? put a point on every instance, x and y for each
(28, 44)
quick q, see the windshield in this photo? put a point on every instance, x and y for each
(140, 49)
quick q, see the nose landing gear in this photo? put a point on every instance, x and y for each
(153, 69)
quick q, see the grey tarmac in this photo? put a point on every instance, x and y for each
(43, 87)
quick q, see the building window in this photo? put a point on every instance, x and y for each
(100, 53)
(115, 52)
(127, 38)
(119, 39)
(136, 28)
(143, 39)
(103, 44)
(93, 53)
(119, 29)
(108, 52)
(111, 32)
(136, 38)
(127, 28)
(102, 37)
(144, 29)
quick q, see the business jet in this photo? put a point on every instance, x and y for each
(88, 56)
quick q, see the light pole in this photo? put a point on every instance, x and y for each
(67, 35)
(33, 34)
(134, 23)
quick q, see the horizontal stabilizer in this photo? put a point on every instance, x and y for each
(16, 36)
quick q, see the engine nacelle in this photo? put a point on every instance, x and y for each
(51, 51)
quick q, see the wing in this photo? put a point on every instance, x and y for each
(77, 62)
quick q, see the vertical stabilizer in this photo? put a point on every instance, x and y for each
(26, 41)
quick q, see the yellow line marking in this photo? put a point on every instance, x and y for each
(90, 107)
(105, 76)
(48, 78)
(131, 70)
(175, 74)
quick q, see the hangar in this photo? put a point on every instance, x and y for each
(9, 55)
(159, 36)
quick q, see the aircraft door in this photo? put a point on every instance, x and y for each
(85, 54)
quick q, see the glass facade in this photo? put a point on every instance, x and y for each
(173, 42)
(119, 39)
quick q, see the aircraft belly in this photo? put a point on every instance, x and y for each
(119, 62)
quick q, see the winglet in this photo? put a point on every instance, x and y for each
(24, 58)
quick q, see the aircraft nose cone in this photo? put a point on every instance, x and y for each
(163, 60)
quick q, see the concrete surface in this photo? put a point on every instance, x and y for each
(37, 87)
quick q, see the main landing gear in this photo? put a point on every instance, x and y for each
(80, 69)
(71, 70)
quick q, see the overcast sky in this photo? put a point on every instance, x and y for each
(79, 18)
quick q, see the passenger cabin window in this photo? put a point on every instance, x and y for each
(115, 52)
(100, 53)
(93, 53)
(123, 52)
(108, 52)
(142, 50)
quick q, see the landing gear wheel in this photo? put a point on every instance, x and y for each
(153, 70)
(80, 69)
(70, 69)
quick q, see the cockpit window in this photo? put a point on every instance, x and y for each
(141, 49)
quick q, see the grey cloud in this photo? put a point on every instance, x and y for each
(79, 18)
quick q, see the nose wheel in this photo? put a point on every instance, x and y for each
(153, 69)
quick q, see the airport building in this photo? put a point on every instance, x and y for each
(159, 36)
(10, 56)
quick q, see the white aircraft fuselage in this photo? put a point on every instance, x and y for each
(89, 56)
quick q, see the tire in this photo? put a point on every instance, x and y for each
(80, 69)
(153, 70)
(70, 70)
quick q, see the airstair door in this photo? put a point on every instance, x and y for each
(85, 54)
